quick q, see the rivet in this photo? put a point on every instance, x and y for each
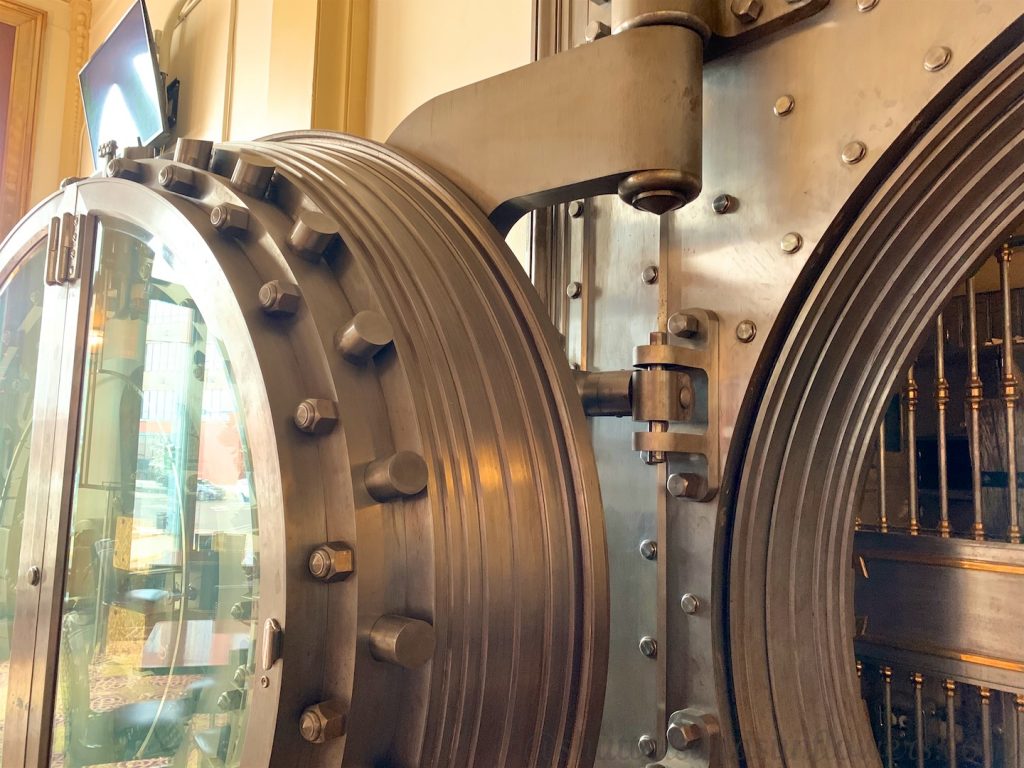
(685, 485)
(648, 646)
(574, 289)
(791, 242)
(400, 475)
(120, 168)
(784, 105)
(647, 745)
(178, 179)
(400, 640)
(252, 174)
(747, 11)
(854, 152)
(264, 681)
(746, 330)
(278, 298)
(683, 325)
(937, 58)
(649, 549)
(194, 152)
(34, 575)
(866, 5)
(316, 416)
(365, 335)
(230, 219)
(649, 275)
(576, 209)
(723, 204)
(312, 234)
(689, 603)
(596, 30)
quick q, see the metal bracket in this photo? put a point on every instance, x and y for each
(697, 437)
(694, 741)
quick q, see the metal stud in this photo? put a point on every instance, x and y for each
(596, 30)
(723, 203)
(178, 179)
(746, 330)
(784, 105)
(252, 174)
(684, 485)
(937, 58)
(322, 722)
(331, 562)
(649, 549)
(230, 219)
(791, 242)
(122, 168)
(576, 209)
(648, 646)
(194, 152)
(854, 152)
(747, 11)
(278, 298)
(649, 275)
(409, 643)
(316, 416)
(312, 234)
(647, 745)
(574, 289)
(689, 603)
(400, 475)
(365, 335)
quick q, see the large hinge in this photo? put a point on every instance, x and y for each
(62, 248)
(674, 388)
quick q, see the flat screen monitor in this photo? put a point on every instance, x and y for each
(122, 88)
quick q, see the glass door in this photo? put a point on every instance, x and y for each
(157, 624)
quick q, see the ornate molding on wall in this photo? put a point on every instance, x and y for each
(74, 119)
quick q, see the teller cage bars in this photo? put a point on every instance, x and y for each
(939, 566)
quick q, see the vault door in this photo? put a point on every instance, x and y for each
(940, 569)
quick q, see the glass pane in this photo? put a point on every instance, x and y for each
(21, 313)
(155, 661)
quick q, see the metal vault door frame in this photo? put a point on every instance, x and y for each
(920, 221)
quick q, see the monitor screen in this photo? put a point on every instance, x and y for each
(122, 87)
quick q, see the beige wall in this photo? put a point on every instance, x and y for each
(421, 48)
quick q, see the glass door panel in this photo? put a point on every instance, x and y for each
(21, 312)
(158, 625)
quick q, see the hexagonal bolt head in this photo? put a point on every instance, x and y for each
(332, 561)
(683, 325)
(178, 179)
(322, 722)
(648, 646)
(746, 330)
(723, 204)
(747, 11)
(120, 168)
(689, 603)
(316, 416)
(649, 275)
(682, 736)
(647, 745)
(280, 298)
(230, 219)
(649, 549)
(596, 30)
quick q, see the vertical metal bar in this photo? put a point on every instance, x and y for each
(883, 515)
(986, 726)
(887, 691)
(1018, 731)
(910, 398)
(918, 680)
(974, 397)
(950, 688)
(941, 404)
(1010, 394)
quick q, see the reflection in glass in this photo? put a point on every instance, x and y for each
(21, 315)
(155, 661)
